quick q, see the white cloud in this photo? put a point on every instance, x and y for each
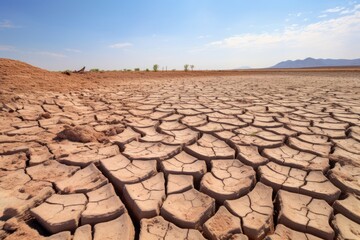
(326, 32)
(121, 45)
(72, 50)
(7, 24)
(323, 16)
(7, 48)
(328, 38)
(347, 11)
(350, 10)
(334, 10)
(248, 40)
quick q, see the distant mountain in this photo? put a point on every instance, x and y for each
(312, 62)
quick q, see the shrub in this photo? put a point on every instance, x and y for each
(136, 69)
(94, 70)
(147, 70)
(186, 67)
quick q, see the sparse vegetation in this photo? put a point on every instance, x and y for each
(136, 69)
(94, 70)
(156, 67)
(186, 67)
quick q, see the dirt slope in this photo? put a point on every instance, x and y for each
(19, 76)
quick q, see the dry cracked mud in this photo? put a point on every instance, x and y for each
(255, 211)
(250, 156)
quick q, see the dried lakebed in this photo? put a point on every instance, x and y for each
(212, 158)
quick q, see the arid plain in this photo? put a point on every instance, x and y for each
(255, 154)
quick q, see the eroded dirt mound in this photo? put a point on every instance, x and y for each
(14, 67)
(83, 134)
(20, 77)
(11, 70)
(14, 230)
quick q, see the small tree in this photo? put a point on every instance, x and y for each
(186, 67)
(156, 67)
(192, 67)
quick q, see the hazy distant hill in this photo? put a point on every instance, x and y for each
(312, 62)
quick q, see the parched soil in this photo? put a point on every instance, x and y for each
(257, 154)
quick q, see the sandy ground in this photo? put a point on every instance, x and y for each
(175, 155)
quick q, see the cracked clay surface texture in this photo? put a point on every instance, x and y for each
(220, 157)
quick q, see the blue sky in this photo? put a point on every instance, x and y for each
(209, 34)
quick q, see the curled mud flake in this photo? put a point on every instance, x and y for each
(346, 177)
(85, 158)
(283, 232)
(83, 233)
(184, 163)
(145, 198)
(345, 228)
(119, 228)
(84, 180)
(150, 151)
(305, 214)
(51, 171)
(287, 156)
(255, 211)
(312, 183)
(189, 209)
(60, 212)
(103, 205)
(322, 150)
(209, 147)
(223, 225)
(228, 179)
(349, 207)
(120, 170)
(179, 183)
(159, 228)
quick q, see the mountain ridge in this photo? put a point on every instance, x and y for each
(317, 62)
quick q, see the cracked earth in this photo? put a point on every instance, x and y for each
(259, 156)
